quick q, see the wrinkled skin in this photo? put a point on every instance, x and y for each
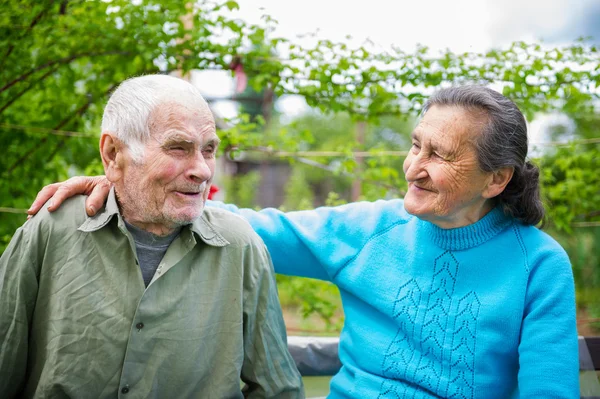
(53, 195)
(445, 184)
(167, 188)
(170, 185)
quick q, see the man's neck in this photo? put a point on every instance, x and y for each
(142, 236)
(156, 229)
(131, 214)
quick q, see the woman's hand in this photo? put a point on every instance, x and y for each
(96, 187)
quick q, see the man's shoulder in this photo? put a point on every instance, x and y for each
(70, 215)
(232, 227)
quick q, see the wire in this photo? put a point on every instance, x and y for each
(4, 209)
(44, 130)
(588, 321)
(328, 153)
(585, 224)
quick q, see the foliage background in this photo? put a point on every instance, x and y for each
(59, 60)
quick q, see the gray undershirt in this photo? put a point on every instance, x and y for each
(150, 249)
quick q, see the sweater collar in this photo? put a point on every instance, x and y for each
(470, 236)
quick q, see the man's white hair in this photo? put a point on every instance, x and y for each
(128, 110)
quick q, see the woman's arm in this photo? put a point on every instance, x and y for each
(318, 243)
(548, 361)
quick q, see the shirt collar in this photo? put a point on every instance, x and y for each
(201, 226)
(207, 232)
(103, 216)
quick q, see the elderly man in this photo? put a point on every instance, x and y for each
(155, 296)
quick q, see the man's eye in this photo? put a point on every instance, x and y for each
(176, 148)
(415, 147)
(209, 151)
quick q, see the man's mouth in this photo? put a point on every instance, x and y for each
(189, 192)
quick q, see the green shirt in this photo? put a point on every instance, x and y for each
(76, 320)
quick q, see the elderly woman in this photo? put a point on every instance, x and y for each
(452, 292)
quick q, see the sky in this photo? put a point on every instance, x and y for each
(458, 25)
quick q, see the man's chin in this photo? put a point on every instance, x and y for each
(186, 217)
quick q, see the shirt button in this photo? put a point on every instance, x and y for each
(125, 389)
(139, 326)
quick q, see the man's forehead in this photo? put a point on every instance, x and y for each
(175, 113)
(185, 124)
(178, 135)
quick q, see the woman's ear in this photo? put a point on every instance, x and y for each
(111, 151)
(498, 182)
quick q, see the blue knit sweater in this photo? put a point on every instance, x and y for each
(482, 311)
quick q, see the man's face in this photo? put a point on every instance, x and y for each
(170, 185)
(445, 184)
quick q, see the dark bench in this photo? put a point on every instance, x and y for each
(318, 356)
(589, 364)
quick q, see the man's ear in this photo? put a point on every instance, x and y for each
(111, 151)
(498, 182)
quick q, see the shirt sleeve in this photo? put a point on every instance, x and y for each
(18, 293)
(317, 243)
(548, 360)
(268, 370)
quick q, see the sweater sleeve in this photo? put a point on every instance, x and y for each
(318, 243)
(548, 349)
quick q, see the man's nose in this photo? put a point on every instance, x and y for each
(416, 167)
(199, 169)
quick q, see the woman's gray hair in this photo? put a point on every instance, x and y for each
(128, 110)
(502, 143)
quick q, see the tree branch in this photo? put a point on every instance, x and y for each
(36, 19)
(61, 61)
(15, 98)
(38, 145)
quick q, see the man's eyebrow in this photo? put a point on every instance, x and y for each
(180, 138)
(215, 141)
(177, 137)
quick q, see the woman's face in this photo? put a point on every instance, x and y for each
(445, 183)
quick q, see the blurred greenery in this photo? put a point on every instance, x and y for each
(60, 60)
